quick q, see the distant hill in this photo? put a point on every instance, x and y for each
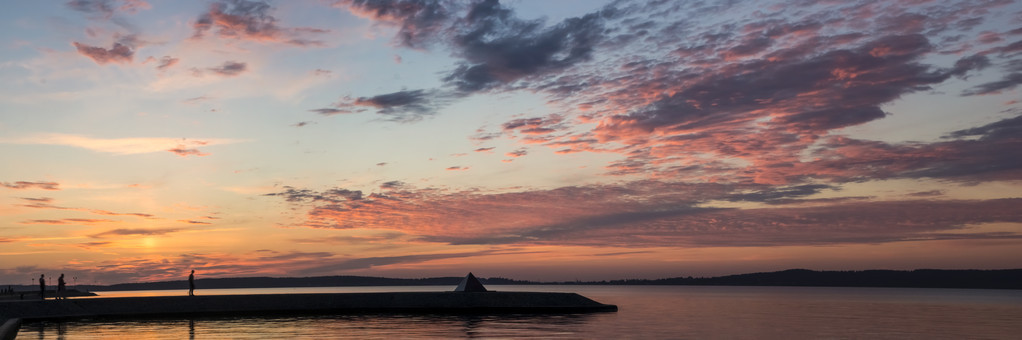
(920, 278)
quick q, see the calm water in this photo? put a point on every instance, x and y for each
(657, 312)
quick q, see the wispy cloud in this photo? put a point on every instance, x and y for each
(107, 8)
(136, 232)
(517, 153)
(122, 146)
(79, 221)
(229, 68)
(401, 106)
(329, 111)
(164, 63)
(652, 214)
(183, 151)
(122, 51)
(214, 265)
(250, 20)
(22, 185)
(48, 203)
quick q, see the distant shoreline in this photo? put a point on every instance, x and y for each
(920, 278)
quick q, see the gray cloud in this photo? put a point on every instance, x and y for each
(499, 48)
(496, 47)
(779, 193)
(331, 111)
(136, 232)
(1010, 81)
(21, 185)
(335, 195)
(401, 106)
(102, 7)
(106, 8)
(230, 68)
(167, 62)
(419, 21)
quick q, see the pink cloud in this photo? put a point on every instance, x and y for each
(250, 20)
(119, 53)
(655, 214)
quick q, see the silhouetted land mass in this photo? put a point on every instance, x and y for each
(921, 278)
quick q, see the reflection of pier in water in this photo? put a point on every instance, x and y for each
(385, 325)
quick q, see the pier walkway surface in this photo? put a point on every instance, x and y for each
(284, 304)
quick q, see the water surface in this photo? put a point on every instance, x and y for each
(646, 312)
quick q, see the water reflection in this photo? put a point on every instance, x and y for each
(644, 312)
(327, 326)
(58, 330)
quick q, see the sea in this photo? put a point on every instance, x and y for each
(644, 312)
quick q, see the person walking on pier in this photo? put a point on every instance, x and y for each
(42, 287)
(61, 288)
(191, 283)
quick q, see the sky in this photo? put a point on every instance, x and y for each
(527, 139)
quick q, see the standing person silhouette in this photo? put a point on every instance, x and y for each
(61, 287)
(42, 287)
(191, 283)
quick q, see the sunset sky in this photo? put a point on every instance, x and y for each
(529, 139)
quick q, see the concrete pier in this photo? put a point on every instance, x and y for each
(9, 329)
(285, 304)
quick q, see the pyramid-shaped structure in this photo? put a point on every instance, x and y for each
(470, 284)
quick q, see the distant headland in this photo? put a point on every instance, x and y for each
(920, 278)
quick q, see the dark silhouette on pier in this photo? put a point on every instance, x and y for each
(191, 283)
(61, 288)
(470, 284)
(42, 287)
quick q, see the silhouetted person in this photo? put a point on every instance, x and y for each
(42, 287)
(61, 288)
(191, 283)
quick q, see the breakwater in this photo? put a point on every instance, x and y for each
(284, 304)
